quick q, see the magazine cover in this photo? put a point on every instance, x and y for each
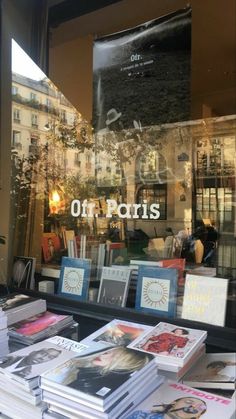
(170, 342)
(74, 278)
(14, 300)
(40, 322)
(78, 347)
(98, 375)
(213, 371)
(173, 400)
(157, 290)
(31, 361)
(23, 272)
(117, 333)
(114, 286)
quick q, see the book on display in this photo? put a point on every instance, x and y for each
(23, 271)
(156, 290)
(114, 284)
(175, 400)
(74, 278)
(205, 299)
(213, 371)
(171, 344)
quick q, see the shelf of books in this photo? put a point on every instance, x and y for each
(168, 289)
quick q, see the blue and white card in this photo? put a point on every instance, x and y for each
(157, 290)
(74, 278)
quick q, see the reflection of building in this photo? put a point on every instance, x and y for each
(188, 168)
(38, 108)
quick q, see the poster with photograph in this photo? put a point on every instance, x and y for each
(142, 75)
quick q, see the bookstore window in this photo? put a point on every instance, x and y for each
(153, 185)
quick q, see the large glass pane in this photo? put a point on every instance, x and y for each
(148, 193)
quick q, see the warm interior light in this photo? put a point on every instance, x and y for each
(55, 196)
(56, 202)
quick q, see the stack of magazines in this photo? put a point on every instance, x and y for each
(216, 371)
(103, 382)
(20, 395)
(4, 348)
(19, 307)
(39, 327)
(175, 348)
(175, 400)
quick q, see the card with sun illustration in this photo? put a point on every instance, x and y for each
(74, 278)
(156, 290)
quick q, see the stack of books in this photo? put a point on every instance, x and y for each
(175, 348)
(105, 382)
(20, 307)
(20, 395)
(4, 347)
(39, 327)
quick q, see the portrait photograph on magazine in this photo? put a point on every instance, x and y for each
(173, 400)
(169, 340)
(101, 372)
(31, 361)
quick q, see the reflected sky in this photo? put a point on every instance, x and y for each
(22, 64)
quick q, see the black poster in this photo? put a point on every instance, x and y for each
(142, 75)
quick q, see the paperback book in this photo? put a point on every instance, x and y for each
(213, 371)
(23, 272)
(157, 290)
(205, 299)
(74, 278)
(114, 284)
(170, 343)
